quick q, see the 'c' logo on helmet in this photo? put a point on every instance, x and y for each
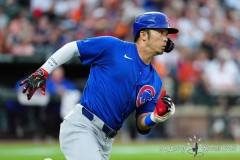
(168, 21)
(146, 93)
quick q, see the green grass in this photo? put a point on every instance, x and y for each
(131, 151)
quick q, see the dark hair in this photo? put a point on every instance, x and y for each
(138, 34)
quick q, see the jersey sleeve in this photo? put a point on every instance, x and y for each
(94, 50)
(150, 105)
(147, 107)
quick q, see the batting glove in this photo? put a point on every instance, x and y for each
(170, 45)
(164, 108)
(35, 81)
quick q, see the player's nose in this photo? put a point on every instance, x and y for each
(165, 39)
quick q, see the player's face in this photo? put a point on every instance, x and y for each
(157, 40)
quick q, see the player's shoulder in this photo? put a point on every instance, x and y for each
(105, 40)
(114, 40)
(156, 76)
(109, 38)
(157, 80)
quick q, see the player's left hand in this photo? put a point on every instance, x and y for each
(35, 81)
(164, 107)
(170, 45)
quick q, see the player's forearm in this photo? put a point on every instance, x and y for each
(61, 56)
(141, 122)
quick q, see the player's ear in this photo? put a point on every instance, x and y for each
(143, 34)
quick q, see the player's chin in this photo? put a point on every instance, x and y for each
(159, 52)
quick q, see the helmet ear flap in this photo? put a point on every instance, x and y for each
(170, 45)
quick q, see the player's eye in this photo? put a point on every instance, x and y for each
(162, 31)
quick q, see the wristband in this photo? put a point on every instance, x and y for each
(148, 121)
(42, 72)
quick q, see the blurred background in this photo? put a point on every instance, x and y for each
(201, 74)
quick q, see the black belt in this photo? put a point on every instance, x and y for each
(110, 133)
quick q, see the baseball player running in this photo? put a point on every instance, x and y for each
(121, 81)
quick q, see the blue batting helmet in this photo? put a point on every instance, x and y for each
(152, 20)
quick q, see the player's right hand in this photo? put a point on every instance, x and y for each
(35, 81)
(164, 107)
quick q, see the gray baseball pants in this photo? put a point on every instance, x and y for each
(82, 139)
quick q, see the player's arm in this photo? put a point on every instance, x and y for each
(163, 110)
(38, 79)
(141, 124)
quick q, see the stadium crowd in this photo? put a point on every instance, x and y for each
(203, 69)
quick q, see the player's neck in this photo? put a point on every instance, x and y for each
(144, 53)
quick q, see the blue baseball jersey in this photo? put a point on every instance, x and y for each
(119, 82)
